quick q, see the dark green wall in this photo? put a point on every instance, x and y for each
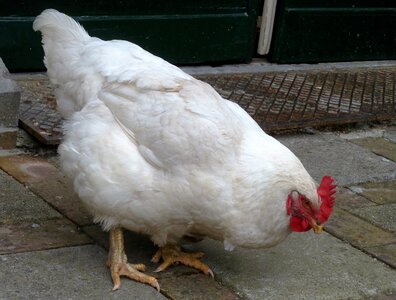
(334, 30)
(183, 32)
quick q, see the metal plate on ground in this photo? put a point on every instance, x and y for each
(38, 114)
(277, 100)
(292, 100)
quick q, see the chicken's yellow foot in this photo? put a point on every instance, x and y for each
(119, 266)
(172, 254)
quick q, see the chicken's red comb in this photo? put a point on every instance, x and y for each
(326, 191)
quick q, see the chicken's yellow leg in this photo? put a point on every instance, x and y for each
(119, 266)
(172, 254)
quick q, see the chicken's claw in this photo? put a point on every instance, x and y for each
(172, 255)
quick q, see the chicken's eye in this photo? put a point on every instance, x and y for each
(305, 203)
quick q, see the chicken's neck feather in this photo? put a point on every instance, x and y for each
(268, 173)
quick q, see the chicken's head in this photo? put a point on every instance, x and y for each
(304, 215)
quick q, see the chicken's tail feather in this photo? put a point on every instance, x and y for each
(55, 25)
(62, 39)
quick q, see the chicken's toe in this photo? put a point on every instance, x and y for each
(132, 272)
(119, 266)
(172, 254)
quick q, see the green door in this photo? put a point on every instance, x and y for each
(181, 31)
(334, 30)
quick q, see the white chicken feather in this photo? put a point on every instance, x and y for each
(153, 150)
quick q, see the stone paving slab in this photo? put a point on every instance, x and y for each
(46, 181)
(390, 134)
(327, 154)
(355, 214)
(19, 205)
(40, 235)
(67, 273)
(349, 200)
(383, 216)
(364, 131)
(303, 267)
(378, 192)
(379, 146)
(27, 223)
(357, 231)
(386, 253)
(178, 282)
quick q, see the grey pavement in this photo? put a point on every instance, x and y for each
(339, 264)
(18, 204)
(391, 134)
(328, 154)
(305, 266)
(383, 216)
(66, 273)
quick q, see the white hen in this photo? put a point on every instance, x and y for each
(153, 150)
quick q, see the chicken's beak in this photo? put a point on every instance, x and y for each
(316, 228)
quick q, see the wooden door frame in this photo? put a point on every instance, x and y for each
(266, 26)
